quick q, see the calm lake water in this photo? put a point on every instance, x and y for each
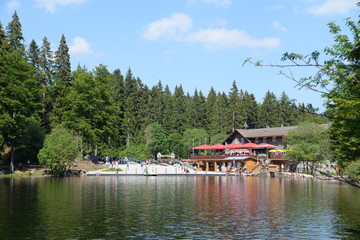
(183, 207)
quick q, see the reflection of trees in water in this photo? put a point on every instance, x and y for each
(347, 209)
(20, 209)
(177, 207)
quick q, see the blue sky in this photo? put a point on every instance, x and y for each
(196, 43)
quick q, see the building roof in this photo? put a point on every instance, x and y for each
(265, 132)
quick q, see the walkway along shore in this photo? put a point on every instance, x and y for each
(135, 169)
(152, 169)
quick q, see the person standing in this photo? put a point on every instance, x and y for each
(116, 167)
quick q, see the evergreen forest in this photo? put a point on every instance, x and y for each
(113, 113)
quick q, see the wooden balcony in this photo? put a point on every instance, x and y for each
(216, 157)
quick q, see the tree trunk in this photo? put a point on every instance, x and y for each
(127, 138)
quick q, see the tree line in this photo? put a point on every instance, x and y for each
(112, 113)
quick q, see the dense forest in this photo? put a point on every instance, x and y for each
(114, 113)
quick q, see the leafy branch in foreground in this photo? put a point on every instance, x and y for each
(338, 80)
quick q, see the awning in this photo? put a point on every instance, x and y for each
(278, 150)
(250, 145)
(239, 158)
(233, 146)
(268, 146)
(202, 147)
(216, 147)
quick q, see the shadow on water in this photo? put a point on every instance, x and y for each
(177, 207)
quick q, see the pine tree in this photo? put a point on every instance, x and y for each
(19, 94)
(62, 80)
(211, 113)
(62, 65)
(14, 35)
(269, 115)
(46, 58)
(142, 102)
(130, 114)
(195, 110)
(2, 36)
(168, 124)
(287, 111)
(224, 119)
(178, 119)
(202, 111)
(237, 119)
(46, 66)
(116, 89)
(156, 105)
(250, 110)
(34, 54)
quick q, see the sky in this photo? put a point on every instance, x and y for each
(198, 44)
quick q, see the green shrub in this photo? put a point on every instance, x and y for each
(353, 170)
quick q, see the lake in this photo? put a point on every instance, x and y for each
(177, 207)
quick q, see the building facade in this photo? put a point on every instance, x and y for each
(274, 136)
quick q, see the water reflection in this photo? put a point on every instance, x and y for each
(177, 207)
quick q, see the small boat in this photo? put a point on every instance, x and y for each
(149, 174)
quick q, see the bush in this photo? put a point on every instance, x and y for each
(353, 170)
(59, 151)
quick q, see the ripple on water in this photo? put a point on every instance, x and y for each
(177, 208)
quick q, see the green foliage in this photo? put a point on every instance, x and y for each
(307, 142)
(217, 138)
(137, 151)
(107, 111)
(177, 146)
(178, 118)
(18, 90)
(14, 35)
(33, 54)
(338, 80)
(269, 111)
(62, 80)
(59, 151)
(156, 139)
(62, 65)
(195, 137)
(235, 108)
(353, 170)
(129, 121)
(33, 140)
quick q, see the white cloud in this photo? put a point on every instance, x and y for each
(13, 5)
(51, 5)
(178, 26)
(80, 47)
(333, 7)
(219, 22)
(279, 26)
(168, 28)
(232, 39)
(221, 3)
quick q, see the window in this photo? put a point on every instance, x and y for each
(264, 139)
(256, 140)
(242, 140)
(274, 139)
